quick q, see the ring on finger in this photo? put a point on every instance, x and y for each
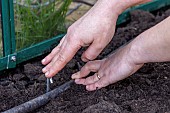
(98, 76)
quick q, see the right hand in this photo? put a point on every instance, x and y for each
(115, 67)
(95, 29)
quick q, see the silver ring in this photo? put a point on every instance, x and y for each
(98, 76)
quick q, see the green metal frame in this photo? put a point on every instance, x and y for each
(29, 53)
(8, 32)
(8, 27)
(151, 6)
(12, 57)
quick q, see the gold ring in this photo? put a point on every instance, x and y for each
(98, 76)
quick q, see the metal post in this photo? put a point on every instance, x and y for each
(8, 31)
(12, 26)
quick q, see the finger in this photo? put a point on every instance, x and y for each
(91, 80)
(79, 81)
(54, 59)
(91, 66)
(103, 82)
(66, 53)
(108, 79)
(48, 58)
(92, 52)
(46, 68)
(51, 56)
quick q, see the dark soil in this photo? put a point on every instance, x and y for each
(147, 91)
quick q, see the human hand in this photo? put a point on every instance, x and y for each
(116, 67)
(95, 29)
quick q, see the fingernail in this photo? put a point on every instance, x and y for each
(84, 59)
(47, 73)
(75, 75)
(87, 87)
(72, 76)
(44, 69)
(43, 60)
(77, 80)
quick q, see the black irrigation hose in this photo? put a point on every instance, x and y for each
(39, 101)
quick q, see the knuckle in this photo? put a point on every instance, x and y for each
(71, 33)
(89, 63)
(94, 78)
(90, 56)
(69, 30)
(97, 62)
(55, 50)
(99, 84)
(73, 38)
(62, 59)
(99, 47)
(86, 82)
(52, 52)
(86, 67)
(73, 41)
(52, 71)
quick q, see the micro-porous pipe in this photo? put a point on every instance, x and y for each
(39, 101)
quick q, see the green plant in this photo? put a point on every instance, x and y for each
(37, 24)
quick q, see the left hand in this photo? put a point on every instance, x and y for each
(116, 67)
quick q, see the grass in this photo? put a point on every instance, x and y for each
(34, 25)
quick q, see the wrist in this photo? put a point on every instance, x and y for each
(152, 45)
(109, 6)
(135, 53)
(114, 6)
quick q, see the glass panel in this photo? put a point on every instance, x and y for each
(38, 20)
(1, 44)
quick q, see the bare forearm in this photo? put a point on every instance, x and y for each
(154, 44)
(118, 5)
(108, 11)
